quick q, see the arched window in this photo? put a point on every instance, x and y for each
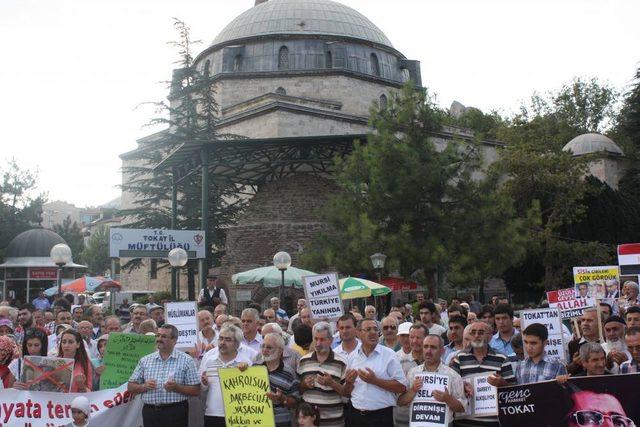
(237, 63)
(375, 65)
(328, 60)
(283, 58)
(281, 91)
(383, 101)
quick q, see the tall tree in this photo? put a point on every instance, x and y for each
(96, 254)
(417, 200)
(20, 210)
(71, 232)
(190, 117)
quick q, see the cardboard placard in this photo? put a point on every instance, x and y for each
(570, 306)
(184, 316)
(598, 282)
(549, 317)
(425, 410)
(244, 394)
(41, 373)
(322, 292)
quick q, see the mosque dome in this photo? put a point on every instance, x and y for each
(590, 143)
(302, 17)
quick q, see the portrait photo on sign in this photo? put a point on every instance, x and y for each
(41, 373)
(609, 400)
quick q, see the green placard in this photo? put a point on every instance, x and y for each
(245, 397)
(122, 354)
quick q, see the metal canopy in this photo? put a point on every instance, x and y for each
(255, 161)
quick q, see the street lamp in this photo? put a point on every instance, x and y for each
(282, 261)
(60, 255)
(378, 260)
(177, 258)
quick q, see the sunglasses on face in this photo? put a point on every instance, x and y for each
(596, 419)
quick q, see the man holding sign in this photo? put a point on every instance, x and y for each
(433, 382)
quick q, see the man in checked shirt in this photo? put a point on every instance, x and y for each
(165, 379)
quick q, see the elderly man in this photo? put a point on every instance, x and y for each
(213, 294)
(156, 312)
(85, 328)
(283, 383)
(479, 358)
(224, 356)
(376, 377)
(295, 319)
(165, 379)
(614, 346)
(207, 338)
(138, 314)
(290, 357)
(630, 290)
(112, 324)
(453, 395)
(417, 333)
(589, 329)
(593, 360)
(305, 317)
(632, 339)
(269, 315)
(252, 338)
(389, 337)
(96, 316)
(281, 315)
(322, 376)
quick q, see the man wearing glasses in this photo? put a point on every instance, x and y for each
(389, 336)
(376, 377)
(477, 359)
(632, 339)
(597, 409)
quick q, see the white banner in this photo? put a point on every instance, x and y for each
(322, 292)
(184, 316)
(109, 408)
(485, 397)
(154, 243)
(549, 317)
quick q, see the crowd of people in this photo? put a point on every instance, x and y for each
(360, 370)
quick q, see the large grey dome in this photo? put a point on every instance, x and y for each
(33, 243)
(317, 17)
(589, 143)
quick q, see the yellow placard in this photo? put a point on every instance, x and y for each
(245, 397)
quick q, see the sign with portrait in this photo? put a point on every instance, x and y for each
(601, 282)
(41, 373)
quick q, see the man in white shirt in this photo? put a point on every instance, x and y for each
(349, 344)
(252, 338)
(226, 356)
(207, 295)
(426, 312)
(376, 377)
(453, 396)
(417, 333)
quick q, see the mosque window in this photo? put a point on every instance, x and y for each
(237, 63)
(281, 91)
(328, 60)
(375, 65)
(383, 101)
(283, 58)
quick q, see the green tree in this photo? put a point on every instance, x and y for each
(19, 209)
(71, 232)
(190, 117)
(417, 200)
(96, 254)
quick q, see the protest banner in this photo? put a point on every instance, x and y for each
(244, 394)
(425, 410)
(485, 399)
(608, 400)
(184, 316)
(549, 317)
(322, 292)
(122, 355)
(570, 306)
(41, 373)
(109, 408)
(596, 282)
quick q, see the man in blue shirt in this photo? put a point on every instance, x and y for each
(501, 341)
(41, 303)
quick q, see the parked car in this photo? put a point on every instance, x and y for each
(105, 297)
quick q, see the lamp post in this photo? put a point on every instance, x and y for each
(282, 261)
(60, 255)
(177, 258)
(377, 260)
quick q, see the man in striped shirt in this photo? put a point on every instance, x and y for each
(480, 359)
(322, 377)
(283, 382)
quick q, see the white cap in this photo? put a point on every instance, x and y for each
(403, 329)
(81, 403)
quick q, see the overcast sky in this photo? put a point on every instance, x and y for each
(73, 71)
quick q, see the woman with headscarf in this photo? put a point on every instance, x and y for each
(80, 411)
(8, 352)
(34, 343)
(71, 347)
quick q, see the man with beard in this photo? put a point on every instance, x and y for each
(25, 321)
(589, 329)
(283, 383)
(322, 377)
(224, 356)
(377, 377)
(479, 358)
(614, 345)
(290, 357)
(453, 396)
